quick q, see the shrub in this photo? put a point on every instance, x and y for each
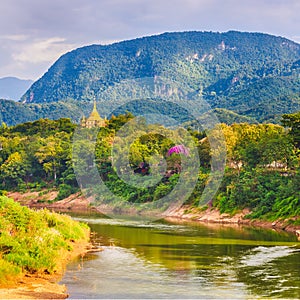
(65, 191)
(32, 241)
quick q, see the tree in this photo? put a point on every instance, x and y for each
(14, 168)
(53, 152)
(293, 121)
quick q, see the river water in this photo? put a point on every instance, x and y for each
(143, 260)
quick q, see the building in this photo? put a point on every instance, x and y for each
(94, 120)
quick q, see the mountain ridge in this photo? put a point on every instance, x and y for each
(255, 75)
(150, 55)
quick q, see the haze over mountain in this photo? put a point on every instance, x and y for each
(13, 88)
(252, 74)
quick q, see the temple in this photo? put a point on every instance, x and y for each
(94, 120)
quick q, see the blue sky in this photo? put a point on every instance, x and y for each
(35, 33)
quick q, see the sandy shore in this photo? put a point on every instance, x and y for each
(34, 288)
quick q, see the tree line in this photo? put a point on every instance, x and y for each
(262, 169)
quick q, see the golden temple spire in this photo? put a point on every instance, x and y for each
(94, 120)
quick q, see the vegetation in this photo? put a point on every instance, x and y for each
(262, 171)
(13, 113)
(252, 74)
(265, 173)
(34, 241)
(293, 121)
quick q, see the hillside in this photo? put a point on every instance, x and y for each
(254, 75)
(12, 113)
(13, 88)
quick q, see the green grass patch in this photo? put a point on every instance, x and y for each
(32, 241)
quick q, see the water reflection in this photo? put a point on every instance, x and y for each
(163, 260)
(272, 271)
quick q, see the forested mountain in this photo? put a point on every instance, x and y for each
(13, 88)
(252, 74)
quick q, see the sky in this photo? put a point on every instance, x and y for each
(35, 33)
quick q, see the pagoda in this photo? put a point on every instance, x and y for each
(94, 120)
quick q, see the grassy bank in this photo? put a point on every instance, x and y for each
(35, 242)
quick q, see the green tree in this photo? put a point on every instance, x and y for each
(52, 154)
(293, 121)
(14, 168)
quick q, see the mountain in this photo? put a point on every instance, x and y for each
(13, 88)
(254, 75)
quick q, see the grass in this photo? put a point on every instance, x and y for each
(33, 241)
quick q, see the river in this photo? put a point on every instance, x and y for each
(159, 259)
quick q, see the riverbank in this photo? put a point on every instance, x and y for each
(46, 199)
(212, 215)
(36, 247)
(48, 287)
(44, 286)
(78, 202)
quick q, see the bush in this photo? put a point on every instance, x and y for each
(3, 193)
(32, 241)
(8, 271)
(65, 191)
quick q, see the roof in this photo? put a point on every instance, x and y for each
(94, 116)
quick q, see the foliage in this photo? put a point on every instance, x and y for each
(262, 170)
(293, 121)
(33, 241)
(263, 173)
(65, 190)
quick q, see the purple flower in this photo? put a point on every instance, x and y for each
(178, 149)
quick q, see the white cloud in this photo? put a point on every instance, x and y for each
(14, 37)
(44, 50)
(25, 57)
(34, 33)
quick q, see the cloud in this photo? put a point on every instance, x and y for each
(29, 58)
(14, 37)
(34, 33)
(44, 50)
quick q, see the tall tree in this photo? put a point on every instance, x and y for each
(293, 121)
